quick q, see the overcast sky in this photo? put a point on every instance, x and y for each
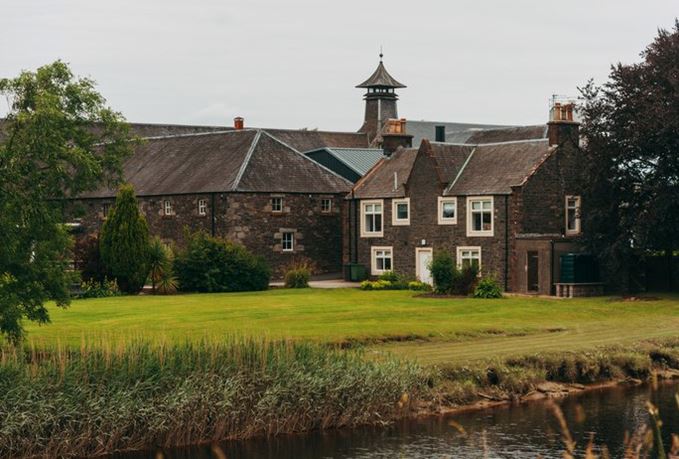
(294, 63)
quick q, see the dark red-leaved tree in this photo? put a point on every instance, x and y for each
(631, 127)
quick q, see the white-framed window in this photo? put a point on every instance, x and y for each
(447, 211)
(371, 218)
(287, 241)
(381, 260)
(480, 216)
(469, 256)
(326, 205)
(400, 211)
(167, 207)
(572, 214)
(202, 207)
(277, 204)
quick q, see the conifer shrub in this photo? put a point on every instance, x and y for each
(210, 264)
(124, 242)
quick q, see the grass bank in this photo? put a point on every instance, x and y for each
(101, 398)
(517, 324)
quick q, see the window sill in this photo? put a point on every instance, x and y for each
(481, 234)
(371, 235)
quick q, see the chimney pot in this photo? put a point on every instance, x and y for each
(238, 123)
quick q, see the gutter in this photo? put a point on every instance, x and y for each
(213, 217)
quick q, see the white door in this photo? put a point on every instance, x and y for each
(423, 258)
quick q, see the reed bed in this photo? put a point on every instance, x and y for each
(103, 397)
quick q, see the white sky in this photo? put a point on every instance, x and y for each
(294, 63)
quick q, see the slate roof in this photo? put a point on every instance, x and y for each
(496, 168)
(360, 160)
(305, 140)
(464, 169)
(379, 181)
(508, 134)
(243, 160)
(381, 79)
(455, 132)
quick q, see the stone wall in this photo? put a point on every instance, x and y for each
(246, 218)
(424, 227)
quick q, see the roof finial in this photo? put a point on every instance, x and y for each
(381, 54)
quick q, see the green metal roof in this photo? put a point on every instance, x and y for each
(360, 160)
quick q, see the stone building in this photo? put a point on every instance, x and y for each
(246, 185)
(506, 200)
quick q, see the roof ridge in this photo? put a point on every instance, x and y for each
(195, 134)
(312, 130)
(311, 161)
(510, 142)
(246, 161)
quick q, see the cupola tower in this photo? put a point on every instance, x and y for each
(380, 100)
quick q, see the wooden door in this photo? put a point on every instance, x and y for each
(533, 271)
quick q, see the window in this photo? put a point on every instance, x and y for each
(167, 205)
(105, 209)
(202, 207)
(277, 204)
(572, 214)
(288, 241)
(326, 205)
(371, 218)
(381, 260)
(400, 212)
(480, 216)
(469, 256)
(440, 133)
(447, 211)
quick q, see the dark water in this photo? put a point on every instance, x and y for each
(521, 431)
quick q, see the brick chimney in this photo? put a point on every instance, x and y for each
(238, 123)
(394, 135)
(561, 126)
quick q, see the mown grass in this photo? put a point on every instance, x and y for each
(473, 327)
(104, 397)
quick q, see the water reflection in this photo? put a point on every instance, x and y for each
(525, 431)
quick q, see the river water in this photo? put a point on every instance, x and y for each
(519, 431)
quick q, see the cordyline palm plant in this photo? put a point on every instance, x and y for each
(160, 264)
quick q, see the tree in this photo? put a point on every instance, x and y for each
(124, 242)
(160, 267)
(631, 127)
(49, 151)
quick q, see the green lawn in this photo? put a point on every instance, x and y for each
(451, 329)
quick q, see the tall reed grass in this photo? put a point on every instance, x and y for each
(103, 397)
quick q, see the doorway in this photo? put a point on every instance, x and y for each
(423, 257)
(533, 271)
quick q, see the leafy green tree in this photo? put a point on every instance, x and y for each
(49, 151)
(631, 126)
(124, 242)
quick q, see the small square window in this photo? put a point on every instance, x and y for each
(447, 211)
(202, 207)
(381, 260)
(400, 212)
(288, 241)
(326, 205)
(276, 204)
(167, 206)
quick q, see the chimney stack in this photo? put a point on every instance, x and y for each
(394, 136)
(561, 126)
(238, 123)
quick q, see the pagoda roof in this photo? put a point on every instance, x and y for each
(381, 79)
